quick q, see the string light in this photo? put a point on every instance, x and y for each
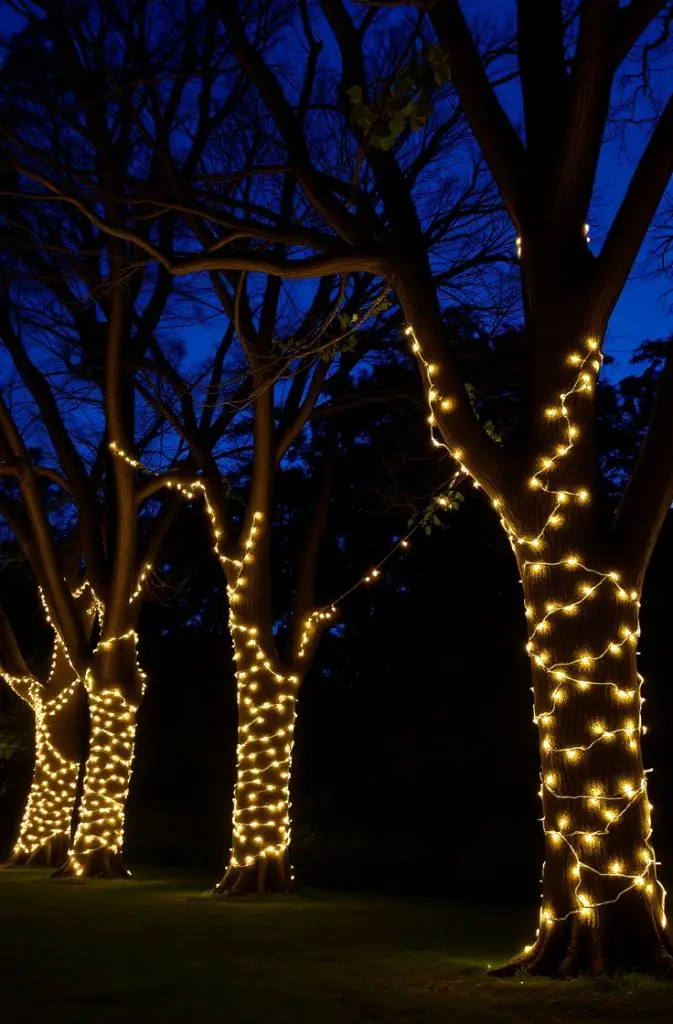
(51, 799)
(109, 762)
(266, 718)
(575, 675)
(107, 776)
(109, 765)
(320, 617)
(266, 695)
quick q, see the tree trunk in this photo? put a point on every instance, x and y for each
(44, 834)
(602, 905)
(261, 815)
(97, 847)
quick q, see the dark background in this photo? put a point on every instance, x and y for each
(415, 766)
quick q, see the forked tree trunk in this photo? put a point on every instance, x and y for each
(45, 830)
(97, 846)
(266, 700)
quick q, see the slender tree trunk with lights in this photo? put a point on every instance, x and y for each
(267, 685)
(114, 686)
(58, 710)
(44, 834)
(266, 699)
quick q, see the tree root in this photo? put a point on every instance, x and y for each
(50, 854)
(624, 939)
(101, 863)
(264, 876)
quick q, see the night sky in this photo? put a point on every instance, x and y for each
(645, 309)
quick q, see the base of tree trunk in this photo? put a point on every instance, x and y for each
(625, 938)
(270, 874)
(97, 864)
(50, 854)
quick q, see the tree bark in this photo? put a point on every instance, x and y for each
(45, 830)
(113, 707)
(261, 816)
(602, 905)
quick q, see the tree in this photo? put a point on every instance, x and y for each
(200, 193)
(287, 424)
(582, 574)
(78, 308)
(54, 699)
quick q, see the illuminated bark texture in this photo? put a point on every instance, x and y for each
(97, 846)
(57, 707)
(602, 905)
(261, 814)
(44, 834)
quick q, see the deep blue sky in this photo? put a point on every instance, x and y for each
(644, 311)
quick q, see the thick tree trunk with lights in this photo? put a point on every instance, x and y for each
(602, 905)
(114, 685)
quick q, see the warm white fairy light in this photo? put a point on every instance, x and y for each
(49, 810)
(575, 676)
(261, 811)
(51, 800)
(318, 619)
(143, 576)
(267, 714)
(107, 776)
(110, 759)
(109, 764)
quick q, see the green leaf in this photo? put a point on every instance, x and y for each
(361, 115)
(355, 93)
(441, 73)
(396, 125)
(385, 143)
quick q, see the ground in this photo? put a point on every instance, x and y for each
(160, 950)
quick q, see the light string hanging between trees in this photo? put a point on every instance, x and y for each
(570, 677)
(261, 811)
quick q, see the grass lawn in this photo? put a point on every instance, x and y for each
(161, 950)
